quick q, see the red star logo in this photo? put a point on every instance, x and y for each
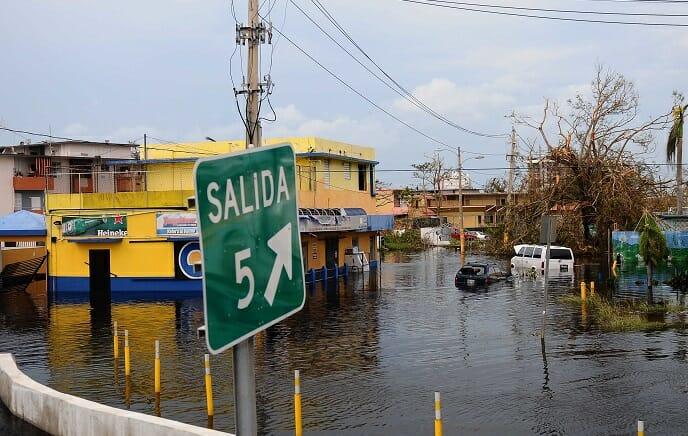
(119, 219)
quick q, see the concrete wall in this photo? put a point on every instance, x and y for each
(109, 151)
(6, 187)
(62, 414)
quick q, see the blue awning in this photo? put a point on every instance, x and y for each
(22, 223)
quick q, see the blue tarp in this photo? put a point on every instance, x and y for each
(380, 222)
(22, 223)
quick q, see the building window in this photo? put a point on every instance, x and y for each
(30, 200)
(362, 184)
(326, 169)
(347, 170)
(480, 220)
(305, 176)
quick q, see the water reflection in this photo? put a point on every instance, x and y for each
(371, 351)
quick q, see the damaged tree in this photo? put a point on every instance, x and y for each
(590, 173)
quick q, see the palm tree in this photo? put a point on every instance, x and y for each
(675, 147)
(653, 248)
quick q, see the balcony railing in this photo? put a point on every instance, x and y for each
(27, 183)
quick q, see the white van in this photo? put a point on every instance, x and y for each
(532, 257)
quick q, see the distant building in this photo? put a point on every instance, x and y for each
(480, 209)
(28, 171)
(452, 181)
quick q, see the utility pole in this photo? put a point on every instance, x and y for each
(253, 128)
(541, 170)
(243, 356)
(462, 237)
(512, 166)
(679, 167)
(510, 182)
(253, 35)
(145, 158)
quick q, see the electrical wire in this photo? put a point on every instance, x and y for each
(357, 92)
(561, 11)
(543, 17)
(405, 93)
(640, 1)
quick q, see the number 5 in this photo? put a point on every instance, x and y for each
(244, 272)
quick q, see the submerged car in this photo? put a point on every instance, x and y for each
(478, 274)
(533, 258)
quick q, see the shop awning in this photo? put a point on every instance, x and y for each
(22, 223)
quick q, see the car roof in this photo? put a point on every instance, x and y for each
(518, 247)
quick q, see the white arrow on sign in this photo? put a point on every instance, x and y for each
(280, 243)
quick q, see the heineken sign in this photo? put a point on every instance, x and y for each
(250, 244)
(112, 226)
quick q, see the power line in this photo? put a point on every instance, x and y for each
(402, 91)
(641, 1)
(543, 17)
(562, 11)
(357, 92)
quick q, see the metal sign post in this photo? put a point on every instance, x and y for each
(548, 233)
(252, 265)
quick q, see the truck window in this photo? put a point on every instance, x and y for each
(537, 253)
(521, 251)
(529, 252)
(560, 253)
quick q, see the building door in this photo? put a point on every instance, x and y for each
(99, 273)
(304, 255)
(331, 252)
(373, 247)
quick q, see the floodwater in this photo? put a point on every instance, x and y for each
(371, 354)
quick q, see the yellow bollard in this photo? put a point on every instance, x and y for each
(209, 388)
(115, 342)
(157, 367)
(583, 291)
(641, 428)
(592, 288)
(438, 415)
(298, 430)
(127, 359)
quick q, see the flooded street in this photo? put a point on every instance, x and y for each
(372, 354)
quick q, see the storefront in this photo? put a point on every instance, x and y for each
(158, 250)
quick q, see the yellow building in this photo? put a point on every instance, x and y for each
(143, 236)
(480, 209)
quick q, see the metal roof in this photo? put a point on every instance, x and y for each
(22, 223)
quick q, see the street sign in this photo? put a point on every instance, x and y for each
(252, 265)
(549, 225)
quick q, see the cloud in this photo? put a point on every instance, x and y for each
(465, 102)
(366, 131)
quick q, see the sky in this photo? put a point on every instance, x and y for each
(116, 70)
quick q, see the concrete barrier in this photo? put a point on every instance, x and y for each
(67, 415)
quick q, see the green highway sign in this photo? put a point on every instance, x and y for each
(252, 265)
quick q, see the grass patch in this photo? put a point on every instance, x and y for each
(629, 315)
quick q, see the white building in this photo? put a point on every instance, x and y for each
(27, 171)
(452, 182)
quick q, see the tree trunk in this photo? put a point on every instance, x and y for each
(650, 271)
(679, 175)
